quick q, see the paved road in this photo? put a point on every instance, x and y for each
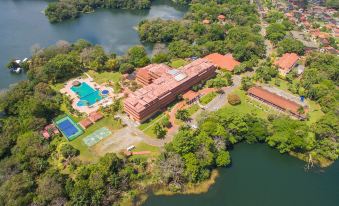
(133, 131)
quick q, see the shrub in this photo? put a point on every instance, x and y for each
(233, 99)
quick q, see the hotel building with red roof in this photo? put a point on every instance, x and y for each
(164, 88)
(146, 75)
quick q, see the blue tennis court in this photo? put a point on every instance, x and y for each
(68, 128)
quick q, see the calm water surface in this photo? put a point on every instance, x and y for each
(260, 176)
(23, 25)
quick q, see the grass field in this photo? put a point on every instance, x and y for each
(103, 77)
(249, 106)
(155, 151)
(178, 63)
(193, 109)
(85, 152)
(148, 126)
(207, 98)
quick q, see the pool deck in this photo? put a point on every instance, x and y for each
(75, 99)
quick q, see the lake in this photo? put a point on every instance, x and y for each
(261, 176)
(24, 26)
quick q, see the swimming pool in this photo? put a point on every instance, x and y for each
(88, 96)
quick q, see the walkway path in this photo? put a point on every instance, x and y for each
(218, 101)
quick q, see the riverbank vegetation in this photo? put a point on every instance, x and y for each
(70, 9)
(201, 32)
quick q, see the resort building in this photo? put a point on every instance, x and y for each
(145, 102)
(277, 101)
(148, 74)
(286, 63)
(225, 62)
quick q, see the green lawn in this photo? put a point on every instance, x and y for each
(315, 112)
(85, 152)
(148, 126)
(178, 63)
(155, 151)
(248, 106)
(283, 84)
(207, 98)
(104, 77)
(193, 109)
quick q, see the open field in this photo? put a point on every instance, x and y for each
(86, 152)
(104, 77)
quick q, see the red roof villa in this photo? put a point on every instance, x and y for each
(286, 63)
(145, 102)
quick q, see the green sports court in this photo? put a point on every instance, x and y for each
(96, 136)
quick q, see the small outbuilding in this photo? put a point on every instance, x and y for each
(85, 123)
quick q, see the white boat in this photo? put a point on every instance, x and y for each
(17, 70)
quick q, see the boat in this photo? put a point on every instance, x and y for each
(16, 70)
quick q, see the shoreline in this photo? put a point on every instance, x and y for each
(198, 188)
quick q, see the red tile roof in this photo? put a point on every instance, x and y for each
(95, 116)
(223, 61)
(85, 123)
(275, 99)
(190, 95)
(287, 61)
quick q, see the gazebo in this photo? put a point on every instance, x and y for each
(76, 83)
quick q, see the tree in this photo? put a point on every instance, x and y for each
(182, 115)
(159, 130)
(160, 58)
(289, 45)
(94, 58)
(137, 56)
(275, 32)
(233, 99)
(223, 159)
(112, 64)
(171, 168)
(68, 150)
(290, 135)
(221, 80)
(126, 68)
(246, 83)
(165, 121)
(50, 187)
(17, 190)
